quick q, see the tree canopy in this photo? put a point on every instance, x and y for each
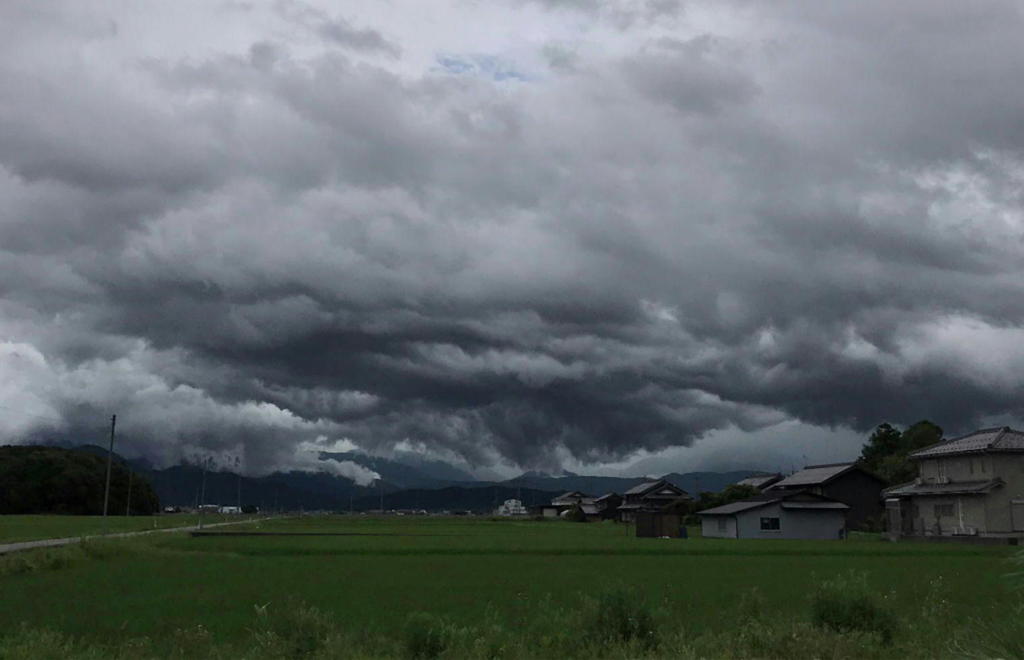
(36, 479)
(887, 451)
(730, 494)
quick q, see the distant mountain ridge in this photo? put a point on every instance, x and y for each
(430, 485)
(692, 482)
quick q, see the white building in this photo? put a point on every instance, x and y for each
(511, 507)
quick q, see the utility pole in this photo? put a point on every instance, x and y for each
(128, 507)
(202, 492)
(110, 457)
(239, 470)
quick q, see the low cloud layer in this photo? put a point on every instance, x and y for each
(515, 233)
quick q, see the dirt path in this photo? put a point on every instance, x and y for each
(52, 543)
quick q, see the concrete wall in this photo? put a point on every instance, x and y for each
(709, 527)
(967, 511)
(958, 468)
(1010, 468)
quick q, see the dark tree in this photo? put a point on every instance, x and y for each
(887, 452)
(37, 479)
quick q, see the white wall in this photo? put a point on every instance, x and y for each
(709, 527)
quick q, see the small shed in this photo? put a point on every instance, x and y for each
(655, 524)
(777, 515)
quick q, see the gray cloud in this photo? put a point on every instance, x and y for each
(778, 215)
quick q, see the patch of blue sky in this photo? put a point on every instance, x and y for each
(484, 65)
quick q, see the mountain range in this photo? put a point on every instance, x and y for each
(405, 483)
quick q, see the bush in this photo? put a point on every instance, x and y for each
(847, 604)
(619, 616)
(425, 636)
(294, 630)
(575, 514)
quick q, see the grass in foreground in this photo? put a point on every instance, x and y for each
(475, 588)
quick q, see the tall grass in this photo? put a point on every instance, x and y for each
(617, 625)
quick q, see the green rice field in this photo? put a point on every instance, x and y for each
(498, 581)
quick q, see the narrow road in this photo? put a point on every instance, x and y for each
(52, 543)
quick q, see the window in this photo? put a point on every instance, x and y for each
(721, 524)
(943, 510)
(770, 525)
(972, 466)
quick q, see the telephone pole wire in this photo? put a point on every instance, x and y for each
(110, 457)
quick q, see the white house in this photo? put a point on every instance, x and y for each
(511, 507)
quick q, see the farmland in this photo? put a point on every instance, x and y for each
(14, 529)
(473, 576)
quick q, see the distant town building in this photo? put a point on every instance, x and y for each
(229, 509)
(512, 507)
(846, 482)
(777, 514)
(968, 486)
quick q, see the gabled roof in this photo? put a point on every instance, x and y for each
(761, 481)
(656, 487)
(642, 488)
(791, 499)
(607, 496)
(817, 475)
(1001, 438)
(955, 488)
(570, 498)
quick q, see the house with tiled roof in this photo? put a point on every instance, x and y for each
(650, 496)
(972, 485)
(848, 483)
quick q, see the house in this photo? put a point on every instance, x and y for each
(846, 482)
(968, 486)
(777, 514)
(564, 502)
(761, 481)
(512, 507)
(649, 496)
(608, 505)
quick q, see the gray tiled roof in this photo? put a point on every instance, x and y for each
(642, 488)
(736, 507)
(1002, 438)
(813, 475)
(955, 488)
(760, 481)
(790, 499)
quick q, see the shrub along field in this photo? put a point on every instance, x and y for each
(450, 587)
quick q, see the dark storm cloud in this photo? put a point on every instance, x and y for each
(722, 217)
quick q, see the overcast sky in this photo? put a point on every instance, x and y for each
(510, 233)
